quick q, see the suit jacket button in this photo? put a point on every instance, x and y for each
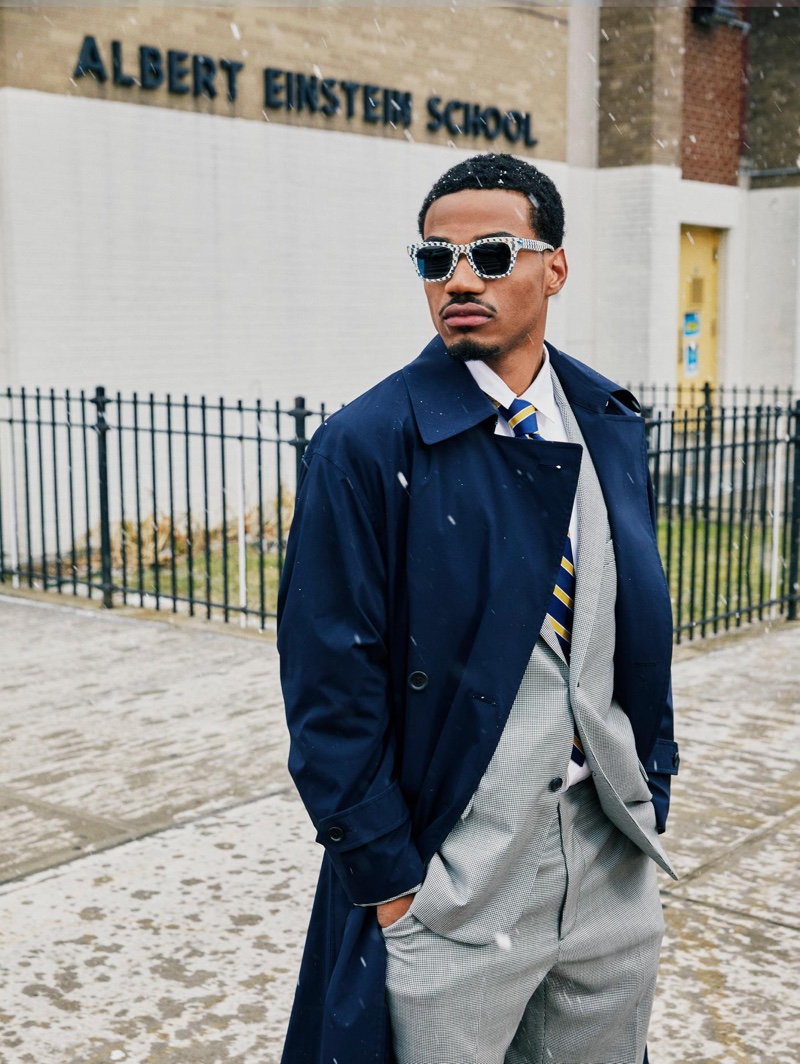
(555, 784)
(335, 834)
(418, 681)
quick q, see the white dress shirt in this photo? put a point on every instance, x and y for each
(548, 416)
(551, 427)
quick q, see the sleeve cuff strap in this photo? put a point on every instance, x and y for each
(362, 823)
(665, 759)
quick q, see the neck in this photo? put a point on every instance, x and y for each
(519, 369)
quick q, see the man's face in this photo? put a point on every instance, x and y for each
(496, 320)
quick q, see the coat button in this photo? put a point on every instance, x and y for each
(418, 681)
(335, 834)
(676, 760)
(555, 784)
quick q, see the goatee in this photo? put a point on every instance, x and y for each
(467, 350)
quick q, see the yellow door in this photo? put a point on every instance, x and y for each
(699, 309)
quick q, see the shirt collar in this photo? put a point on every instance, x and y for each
(540, 391)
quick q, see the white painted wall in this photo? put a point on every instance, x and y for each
(771, 289)
(158, 250)
(636, 271)
(151, 249)
(639, 212)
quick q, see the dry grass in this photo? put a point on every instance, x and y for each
(169, 559)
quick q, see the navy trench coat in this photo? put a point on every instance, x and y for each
(420, 564)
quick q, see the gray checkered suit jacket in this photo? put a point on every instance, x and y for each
(482, 877)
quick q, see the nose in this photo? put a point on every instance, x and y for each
(464, 278)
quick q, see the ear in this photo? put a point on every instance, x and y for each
(557, 271)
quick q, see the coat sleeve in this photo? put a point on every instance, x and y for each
(664, 759)
(662, 765)
(333, 639)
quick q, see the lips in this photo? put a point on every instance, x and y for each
(465, 315)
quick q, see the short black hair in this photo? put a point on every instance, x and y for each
(506, 171)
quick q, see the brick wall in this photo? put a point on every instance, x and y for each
(712, 101)
(773, 115)
(640, 86)
(670, 92)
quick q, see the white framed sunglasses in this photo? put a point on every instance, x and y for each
(490, 257)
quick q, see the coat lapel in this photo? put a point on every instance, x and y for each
(447, 402)
(445, 398)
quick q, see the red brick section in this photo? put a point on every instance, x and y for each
(712, 103)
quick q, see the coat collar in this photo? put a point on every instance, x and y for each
(589, 389)
(447, 401)
(445, 398)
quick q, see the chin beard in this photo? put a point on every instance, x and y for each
(467, 350)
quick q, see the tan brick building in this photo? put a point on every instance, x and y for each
(217, 199)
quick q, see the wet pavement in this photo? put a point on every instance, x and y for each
(157, 868)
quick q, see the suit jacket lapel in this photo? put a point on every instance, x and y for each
(593, 533)
(549, 636)
(616, 442)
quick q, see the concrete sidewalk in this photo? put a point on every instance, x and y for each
(158, 868)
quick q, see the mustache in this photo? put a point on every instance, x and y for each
(464, 298)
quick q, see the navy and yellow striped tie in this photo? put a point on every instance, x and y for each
(521, 417)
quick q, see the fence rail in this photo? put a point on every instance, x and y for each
(727, 487)
(185, 505)
(663, 398)
(165, 503)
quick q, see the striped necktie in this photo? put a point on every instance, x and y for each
(521, 417)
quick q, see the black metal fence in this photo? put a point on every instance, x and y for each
(690, 396)
(162, 503)
(726, 476)
(185, 505)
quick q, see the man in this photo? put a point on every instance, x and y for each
(475, 637)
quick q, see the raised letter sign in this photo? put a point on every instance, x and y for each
(151, 67)
(371, 107)
(90, 61)
(436, 115)
(231, 69)
(177, 71)
(272, 88)
(120, 78)
(205, 70)
(350, 90)
(334, 104)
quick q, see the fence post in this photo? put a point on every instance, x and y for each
(15, 569)
(781, 437)
(794, 528)
(101, 428)
(299, 442)
(708, 441)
